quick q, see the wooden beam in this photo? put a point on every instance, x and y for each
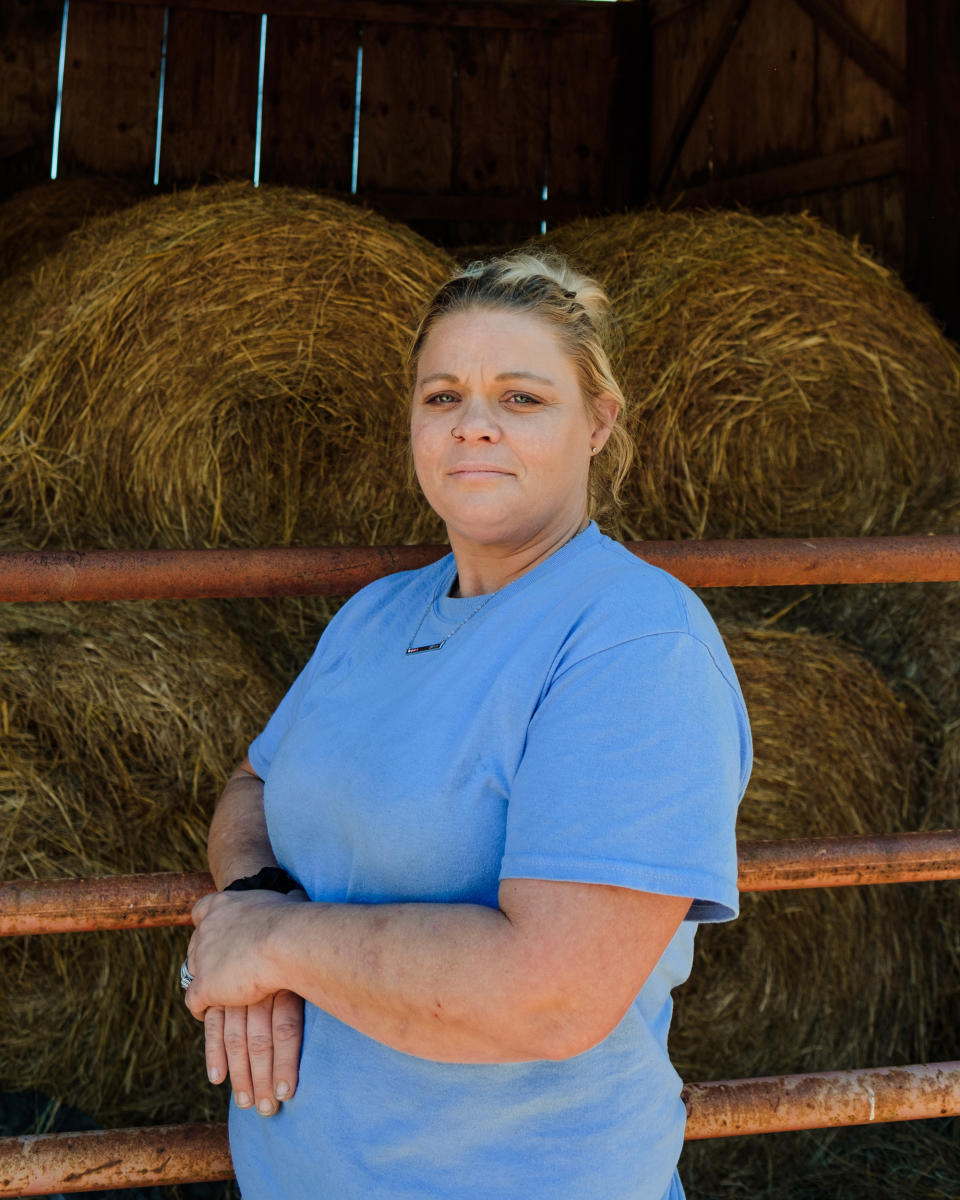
(854, 42)
(17, 144)
(626, 176)
(110, 85)
(698, 93)
(514, 14)
(878, 161)
(665, 10)
(417, 206)
(932, 267)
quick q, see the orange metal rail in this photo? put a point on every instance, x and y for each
(145, 901)
(784, 1102)
(39, 1165)
(337, 571)
(845, 861)
(52, 1163)
(83, 1162)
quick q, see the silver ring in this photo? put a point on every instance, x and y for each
(185, 977)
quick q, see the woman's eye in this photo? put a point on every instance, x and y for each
(442, 398)
(523, 399)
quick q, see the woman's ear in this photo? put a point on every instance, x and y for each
(605, 410)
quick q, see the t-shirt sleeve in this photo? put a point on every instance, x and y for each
(263, 748)
(633, 768)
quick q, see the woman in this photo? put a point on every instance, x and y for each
(507, 786)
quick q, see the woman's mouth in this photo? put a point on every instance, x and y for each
(469, 470)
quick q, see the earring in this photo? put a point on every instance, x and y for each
(594, 449)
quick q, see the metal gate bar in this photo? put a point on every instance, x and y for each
(338, 571)
(784, 1102)
(149, 900)
(41, 1164)
(82, 1162)
(51, 1163)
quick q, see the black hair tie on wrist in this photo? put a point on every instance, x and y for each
(268, 879)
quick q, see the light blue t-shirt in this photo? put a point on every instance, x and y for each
(583, 723)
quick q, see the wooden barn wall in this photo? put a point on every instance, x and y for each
(787, 119)
(29, 56)
(933, 160)
(467, 111)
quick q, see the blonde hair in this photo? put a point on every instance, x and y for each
(577, 310)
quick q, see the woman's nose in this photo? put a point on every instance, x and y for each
(476, 421)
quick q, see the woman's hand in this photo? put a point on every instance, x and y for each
(259, 1046)
(253, 1029)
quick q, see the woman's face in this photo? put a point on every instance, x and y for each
(500, 431)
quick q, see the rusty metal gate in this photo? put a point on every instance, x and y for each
(77, 1162)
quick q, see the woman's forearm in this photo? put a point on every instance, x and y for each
(435, 980)
(547, 975)
(238, 843)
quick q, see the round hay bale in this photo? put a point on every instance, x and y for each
(864, 1162)
(220, 367)
(945, 814)
(823, 979)
(784, 382)
(35, 221)
(150, 705)
(121, 723)
(34, 224)
(911, 631)
(284, 629)
(819, 979)
(948, 773)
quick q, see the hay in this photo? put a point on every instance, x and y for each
(121, 723)
(35, 221)
(828, 978)
(824, 979)
(34, 224)
(915, 1159)
(221, 366)
(784, 382)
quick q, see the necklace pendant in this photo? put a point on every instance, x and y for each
(422, 649)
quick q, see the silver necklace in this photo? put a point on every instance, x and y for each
(412, 649)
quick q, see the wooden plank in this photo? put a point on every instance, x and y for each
(309, 90)
(666, 10)
(515, 14)
(872, 211)
(933, 181)
(679, 49)
(110, 89)
(854, 42)
(501, 112)
(583, 68)
(759, 112)
(884, 22)
(210, 100)
(491, 210)
(501, 126)
(30, 54)
(797, 179)
(852, 109)
(10, 147)
(734, 14)
(406, 112)
(626, 179)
